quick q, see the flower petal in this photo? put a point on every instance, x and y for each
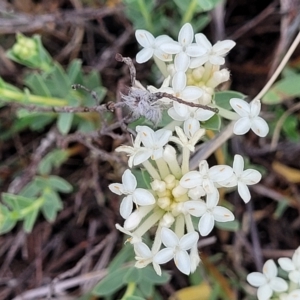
(203, 114)
(163, 256)
(144, 55)
(256, 279)
(242, 126)
(116, 188)
(222, 214)
(198, 61)
(172, 47)
(126, 207)
(240, 106)
(194, 50)
(278, 284)
(188, 240)
(191, 180)
(206, 224)
(255, 107)
(220, 172)
(286, 264)
(186, 34)
(181, 61)
(191, 93)
(260, 127)
(143, 197)
(144, 38)
(191, 126)
(238, 165)
(169, 238)
(264, 292)
(183, 262)
(250, 176)
(129, 181)
(216, 60)
(202, 41)
(244, 191)
(223, 47)
(142, 250)
(179, 81)
(270, 269)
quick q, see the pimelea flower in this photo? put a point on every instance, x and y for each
(151, 46)
(292, 266)
(267, 281)
(213, 54)
(176, 248)
(242, 178)
(249, 117)
(137, 195)
(209, 212)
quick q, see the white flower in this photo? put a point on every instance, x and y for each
(144, 257)
(133, 237)
(154, 141)
(176, 248)
(267, 281)
(128, 187)
(184, 141)
(214, 54)
(249, 117)
(184, 48)
(206, 177)
(241, 178)
(209, 212)
(151, 46)
(137, 154)
(294, 295)
(292, 266)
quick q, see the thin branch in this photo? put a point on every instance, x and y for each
(129, 63)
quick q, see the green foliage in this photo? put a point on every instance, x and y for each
(168, 16)
(40, 195)
(48, 85)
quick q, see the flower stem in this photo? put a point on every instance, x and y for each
(129, 290)
(151, 170)
(189, 12)
(144, 11)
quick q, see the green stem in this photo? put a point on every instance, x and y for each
(130, 290)
(189, 12)
(227, 114)
(31, 99)
(145, 13)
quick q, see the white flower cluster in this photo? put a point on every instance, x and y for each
(177, 195)
(269, 284)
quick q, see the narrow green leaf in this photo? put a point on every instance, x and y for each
(64, 122)
(150, 275)
(16, 202)
(134, 298)
(229, 226)
(111, 283)
(7, 223)
(37, 85)
(52, 205)
(126, 254)
(29, 220)
(59, 184)
(222, 98)
(284, 89)
(74, 71)
(31, 190)
(146, 288)
(214, 123)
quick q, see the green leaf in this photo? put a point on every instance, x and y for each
(146, 288)
(29, 220)
(284, 89)
(214, 123)
(7, 223)
(74, 71)
(134, 298)
(16, 202)
(60, 83)
(53, 159)
(64, 122)
(52, 205)
(59, 184)
(37, 85)
(111, 283)
(133, 275)
(32, 189)
(222, 98)
(126, 254)
(150, 275)
(229, 226)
